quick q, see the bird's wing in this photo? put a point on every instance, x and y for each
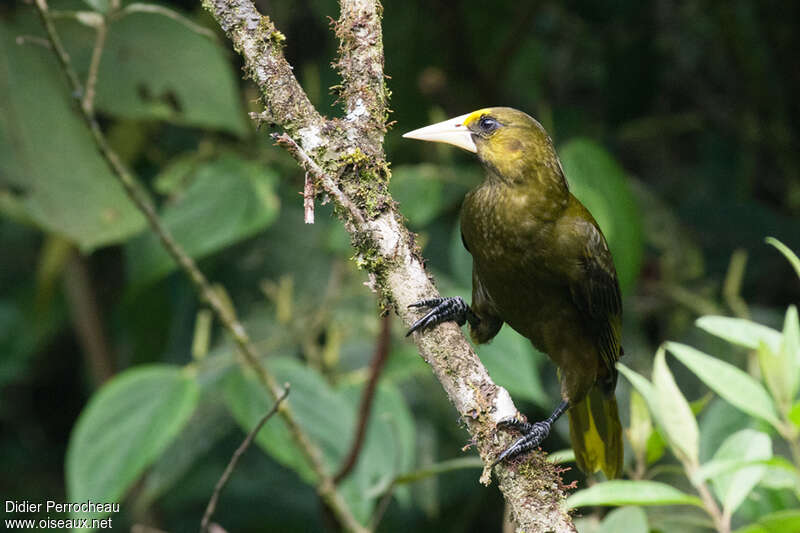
(595, 291)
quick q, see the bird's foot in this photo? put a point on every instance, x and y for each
(532, 437)
(441, 310)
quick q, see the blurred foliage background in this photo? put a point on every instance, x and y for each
(676, 123)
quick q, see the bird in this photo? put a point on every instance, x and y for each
(540, 264)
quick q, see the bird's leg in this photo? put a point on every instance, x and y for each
(443, 310)
(532, 434)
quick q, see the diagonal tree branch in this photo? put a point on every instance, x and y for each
(346, 158)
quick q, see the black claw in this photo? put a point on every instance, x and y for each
(533, 435)
(442, 310)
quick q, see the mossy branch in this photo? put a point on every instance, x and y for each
(346, 158)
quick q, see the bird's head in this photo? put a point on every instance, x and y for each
(510, 143)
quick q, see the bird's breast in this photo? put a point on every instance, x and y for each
(514, 259)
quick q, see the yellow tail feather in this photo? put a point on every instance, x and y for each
(596, 434)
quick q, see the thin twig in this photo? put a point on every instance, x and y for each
(367, 397)
(227, 316)
(308, 199)
(721, 522)
(32, 39)
(94, 67)
(212, 503)
(325, 180)
(87, 318)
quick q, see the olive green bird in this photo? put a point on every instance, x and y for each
(541, 264)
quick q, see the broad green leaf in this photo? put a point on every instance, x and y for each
(418, 190)
(624, 492)
(209, 424)
(779, 474)
(50, 169)
(733, 487)
(230, 199)
(627, 519)
(641, 384)
(716, 467)
(313, 403)
(328, 418)
(599, 182)
(740, 331)
(730, 383)
(674, 413)
(124, 428)
(717, 423)
(175, 74)
(388, 448)
(787, 252)
(779, 522)
(512, 362)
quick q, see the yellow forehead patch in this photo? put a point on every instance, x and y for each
(475, 115)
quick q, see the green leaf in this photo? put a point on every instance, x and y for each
(655, 442)
(627, 519)
(656, 445)
(598, 181)
(312, 402)
(778, 522)
(69, 190)
(328, 417)
(642, 385)
(388, 448)
(787, 252)
(740, 331)
(124, 428)
(733, 487)
(562, 456)
(100, 6)
(641, 427)
(794, 414)
(418, 189)
(436, 469)
(674, 413)
(779, 373)
(730, 383)
(624, 492)
(512, 362)
(230, 199)
(175, 74)
(790, 351)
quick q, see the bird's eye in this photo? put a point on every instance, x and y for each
(488, 124)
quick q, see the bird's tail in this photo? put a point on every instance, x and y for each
(596, 433)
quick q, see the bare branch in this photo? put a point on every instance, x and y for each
(212, 503)
(367, 397)
(94, 66)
